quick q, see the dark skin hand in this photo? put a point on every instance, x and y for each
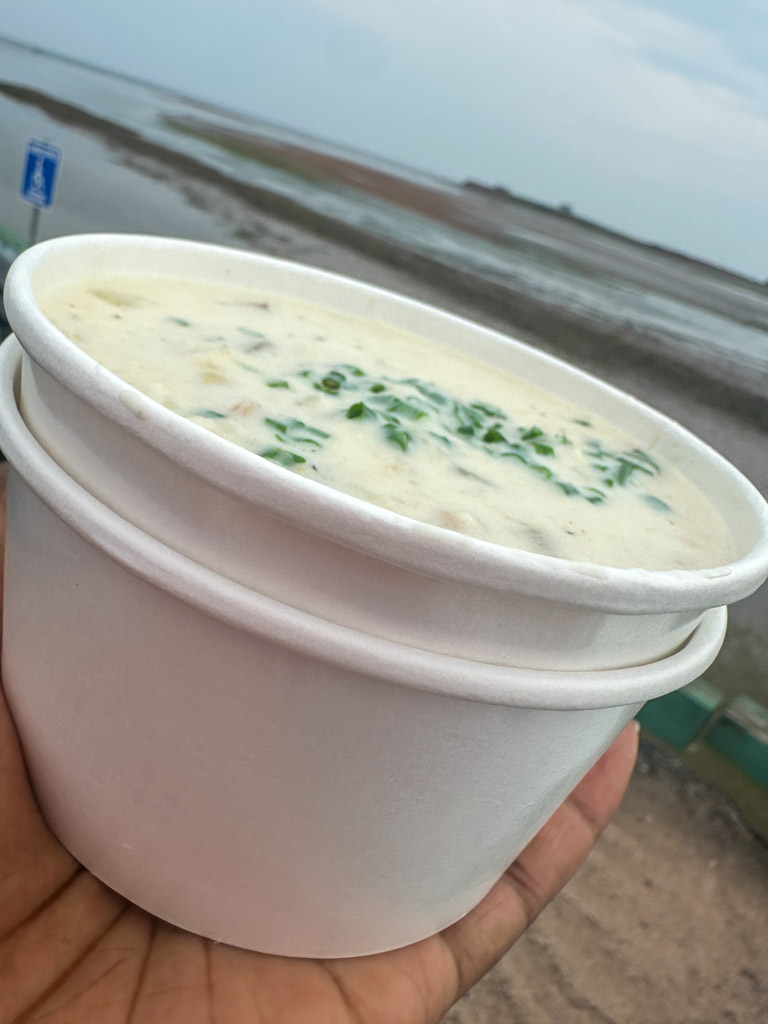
(74, 952)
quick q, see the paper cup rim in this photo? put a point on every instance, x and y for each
(352, 521)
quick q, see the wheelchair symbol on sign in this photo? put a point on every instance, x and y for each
(37, 183)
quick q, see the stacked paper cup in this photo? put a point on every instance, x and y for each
(274, 714)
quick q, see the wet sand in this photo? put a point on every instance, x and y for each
(666, 922)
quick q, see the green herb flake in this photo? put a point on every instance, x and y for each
(626, 468)
(488, 410)
(542, 449)
(643, 457)
(624, 472)
(531, 433)
(331, 383)
(619, 468)
(594, 495)
(278, 384)
(467, 417)
(435, 397)
(282, 457)
(315, 432)
(594, 449)
(493, 436)
(179, 321)
(209, 414)
(407, 409)
(657, 503)
(567, 488)
(296, 430)
(360, 411)
(247, 366)
(397, 435)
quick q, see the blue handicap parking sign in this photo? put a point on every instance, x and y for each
(40, 169)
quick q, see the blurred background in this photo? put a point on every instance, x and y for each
(584, 175)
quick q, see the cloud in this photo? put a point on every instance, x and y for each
(650, 92)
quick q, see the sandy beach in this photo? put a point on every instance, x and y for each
(666, 922)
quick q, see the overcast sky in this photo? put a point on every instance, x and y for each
(648, 115)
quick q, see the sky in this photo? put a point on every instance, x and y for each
(650, 116)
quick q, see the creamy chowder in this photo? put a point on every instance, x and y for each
(396, 420)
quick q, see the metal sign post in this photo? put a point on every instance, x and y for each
(38, 182)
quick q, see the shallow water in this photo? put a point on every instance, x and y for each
(554, 259)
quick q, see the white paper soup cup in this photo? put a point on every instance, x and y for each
(333, 555)
(256, 774)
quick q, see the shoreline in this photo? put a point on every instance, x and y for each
(727, 384)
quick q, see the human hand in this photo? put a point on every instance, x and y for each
(74, 952)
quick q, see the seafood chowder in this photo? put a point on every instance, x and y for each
(396, 420)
